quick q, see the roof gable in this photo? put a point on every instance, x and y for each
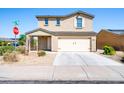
(38, 31)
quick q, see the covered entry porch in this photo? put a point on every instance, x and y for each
(40, 39)
(36, 43)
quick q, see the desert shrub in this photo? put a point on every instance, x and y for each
(41, 53)
(21, 49)
(108, 50)
(10, 57)
(4, 49)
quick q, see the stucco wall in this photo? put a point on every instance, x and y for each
(93, 43)
(54, 43)
(67, 24)
(49, 43)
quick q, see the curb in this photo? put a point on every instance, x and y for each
(59, 82)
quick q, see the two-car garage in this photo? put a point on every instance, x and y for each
(74, 44)
(76, 41)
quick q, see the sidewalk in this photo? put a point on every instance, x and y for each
(61, 73)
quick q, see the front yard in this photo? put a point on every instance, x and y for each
(20, 57)
(117, 57)
(33, 58)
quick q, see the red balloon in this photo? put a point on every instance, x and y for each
(16, 30)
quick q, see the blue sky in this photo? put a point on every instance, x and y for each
(110, 18)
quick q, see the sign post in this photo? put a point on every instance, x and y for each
(16, 32)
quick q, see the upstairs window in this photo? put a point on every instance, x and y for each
(58, 21)
(79, 22)
(46, 21)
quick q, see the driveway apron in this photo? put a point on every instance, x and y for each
(83, 58)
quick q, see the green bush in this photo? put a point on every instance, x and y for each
(4, 49)
(41, 53)
(108, 50)
(10, 57)
(21, 49)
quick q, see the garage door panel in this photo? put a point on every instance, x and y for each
(83, 45)
(65, 45)
(74, 45)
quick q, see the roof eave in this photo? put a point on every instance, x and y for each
(78, 12)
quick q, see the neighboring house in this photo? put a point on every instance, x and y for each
(113, 37)
(7, 39)
(72, 32)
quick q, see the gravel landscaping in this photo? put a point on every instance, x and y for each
(117, 57)
(33, 58)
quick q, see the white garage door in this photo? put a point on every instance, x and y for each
(74, 45)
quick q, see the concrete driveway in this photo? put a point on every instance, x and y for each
(83, 58)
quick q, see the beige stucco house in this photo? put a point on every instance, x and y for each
(72, 32)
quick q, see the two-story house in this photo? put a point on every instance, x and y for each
(72, 32)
